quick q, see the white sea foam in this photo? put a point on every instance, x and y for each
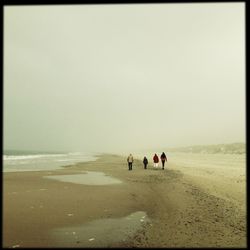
(74, 153)
(24, 157)
(39, 162)
(64, 160)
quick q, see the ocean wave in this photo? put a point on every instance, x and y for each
(25, 157)
(75, 153)
(40, 161)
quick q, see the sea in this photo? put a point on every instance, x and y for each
(17, 160)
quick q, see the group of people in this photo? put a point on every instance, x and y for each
(156, 160)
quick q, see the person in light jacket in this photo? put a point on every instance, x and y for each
(130, 161)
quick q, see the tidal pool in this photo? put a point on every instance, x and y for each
(88, 178)
(101, 232)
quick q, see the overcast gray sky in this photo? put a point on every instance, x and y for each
(120, 77)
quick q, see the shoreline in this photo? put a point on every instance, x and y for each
(182, 213)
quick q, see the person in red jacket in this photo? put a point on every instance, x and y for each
(156, 160)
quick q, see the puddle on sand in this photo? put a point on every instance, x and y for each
(100, 233)
(89, 178)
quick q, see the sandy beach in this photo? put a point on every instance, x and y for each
(181, 206)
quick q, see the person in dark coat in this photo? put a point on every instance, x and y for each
(163, 159)
(145, 162)
(156, 160)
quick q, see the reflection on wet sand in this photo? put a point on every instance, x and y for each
(101, 232)
(88, 178)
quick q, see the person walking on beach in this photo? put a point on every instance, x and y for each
(130, 161)
(163, 159)
(156, 160)
(145, 162)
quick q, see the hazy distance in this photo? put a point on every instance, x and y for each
(112, 78)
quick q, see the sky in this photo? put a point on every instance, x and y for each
(109, 78)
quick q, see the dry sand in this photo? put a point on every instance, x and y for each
(186, 208)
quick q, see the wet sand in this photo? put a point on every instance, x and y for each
(167, 208)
